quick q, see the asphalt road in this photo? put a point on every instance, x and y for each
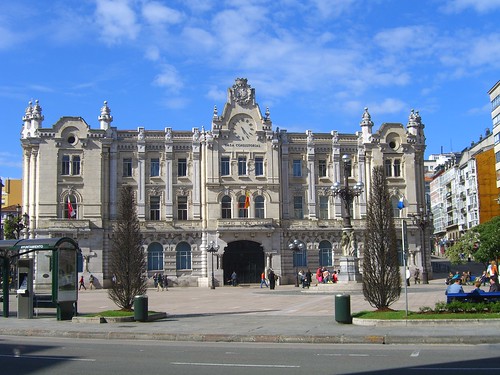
(58, 356)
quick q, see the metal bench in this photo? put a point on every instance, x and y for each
(41, 301)
(473, 297)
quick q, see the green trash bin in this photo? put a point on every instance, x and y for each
(141, 308)
(343, 308)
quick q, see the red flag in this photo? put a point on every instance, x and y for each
(247, 199)
(71, 211)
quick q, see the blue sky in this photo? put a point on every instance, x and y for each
(315, 63)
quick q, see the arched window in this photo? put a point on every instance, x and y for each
(226, 207)
(155, 257)
(388, 168)
(183, 256)
(70, 207)
(397, 168)
(325, 254)
(259, 207)
(300, 258)
(242, 209)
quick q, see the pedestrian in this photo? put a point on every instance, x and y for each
(494, 286)
(308, 278)
(263, 280)
(160, 282)
(416, 275)
(82, 283)
(408, 275)
(455, 286)
(91, 282)
(302, 277)
(272, 279)
(113, 279)
(234, 278)
(155, 280)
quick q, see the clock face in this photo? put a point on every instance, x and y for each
(243, 128)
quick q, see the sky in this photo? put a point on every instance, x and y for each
(315, 63)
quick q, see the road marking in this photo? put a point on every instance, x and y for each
(47, 357)
(416, 353)
(229, 365)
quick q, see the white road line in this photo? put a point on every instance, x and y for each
(229, 365)
(416, 353)
(47, 357)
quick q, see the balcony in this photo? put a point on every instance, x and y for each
(245, 224)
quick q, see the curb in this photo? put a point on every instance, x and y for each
(421, 322)
(115, 319)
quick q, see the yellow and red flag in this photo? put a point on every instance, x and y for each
(247, 199)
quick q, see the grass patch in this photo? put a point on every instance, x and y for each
(401, 314)
(114, 314)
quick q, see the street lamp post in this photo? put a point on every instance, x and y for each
(213, 248)
(296, 246)
(346, 193)
(423, 219)
(21, 222)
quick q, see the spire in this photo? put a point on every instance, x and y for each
(105, 118)
(366, 126)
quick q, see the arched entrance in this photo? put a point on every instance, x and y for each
(246, 258)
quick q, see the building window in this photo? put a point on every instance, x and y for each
(259, 207)
(70, 165)
(259, 166)
(65, 167)
(182, 167)
(183, 256)
(388, 168)
(397, 168)
(297, 168)
(349, 168)
(325, 254)
(154, 207)
(226, 207)
(322, 168)
(154, 167)
(224, 166)
(300, 258)
(70, 207)
(242, 166)
(155, 257)
(182, 207)
(127, 167)
(242, 207)
(323, 207)
(298, 212)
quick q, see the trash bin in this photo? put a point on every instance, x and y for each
(141, 308)
(343, 308)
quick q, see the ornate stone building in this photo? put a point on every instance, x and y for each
(241, 185)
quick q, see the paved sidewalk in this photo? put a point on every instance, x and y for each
(252, 314)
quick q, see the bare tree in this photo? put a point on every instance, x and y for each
(381, 275)
(127, 258)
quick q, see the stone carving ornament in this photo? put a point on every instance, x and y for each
(242, 92)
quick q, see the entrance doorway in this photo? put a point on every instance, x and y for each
(246, 258)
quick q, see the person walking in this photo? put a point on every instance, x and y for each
(263, 280)
(272, 279)
(408, 275)
(416, 275)
(82, 283)
(234, 278)
(91, 282)
(308, 278)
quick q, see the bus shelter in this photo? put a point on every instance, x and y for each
(64, 291)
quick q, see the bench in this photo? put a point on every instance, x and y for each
(473, 297)
(41, 301)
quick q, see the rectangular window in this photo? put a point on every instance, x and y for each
(154, 207)
(300, 258)
(259, 166)
(65, 166)
(298, 212)
(388, 168)
(155, 167)
(242, 166)
(224, 166)
(75, 165)
(397, 168)
(182, 208)
(297, 168)
(127, 167)
(322, 168)
(323, 207)
(182, 167)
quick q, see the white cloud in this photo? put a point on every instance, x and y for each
(156, 13)
(216, 94)
(333, 8)
(406, 38)
(169, 78)
(152, 53)
(117, 20)
(8, 38)
(388, 106)
(480, 6)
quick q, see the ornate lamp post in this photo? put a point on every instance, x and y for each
(21, 222)
(423, 219)
(213, 248)
(296, 246)
(346, 193)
